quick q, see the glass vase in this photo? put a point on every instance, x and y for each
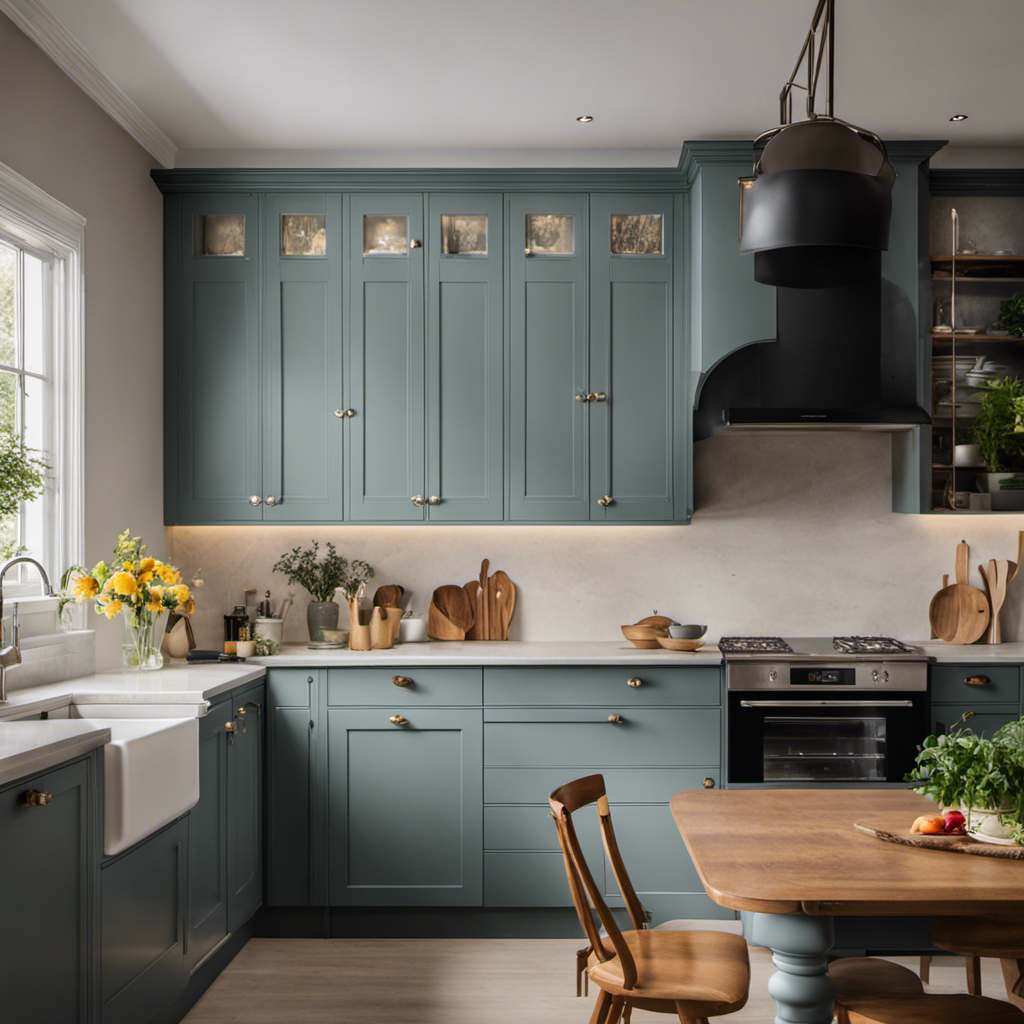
(142, 636)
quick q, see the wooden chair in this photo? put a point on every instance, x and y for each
(693, 974)
(977, 937)
(871, 991)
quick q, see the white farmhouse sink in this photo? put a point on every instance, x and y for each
(151, 776)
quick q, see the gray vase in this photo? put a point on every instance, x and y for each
(321, 615)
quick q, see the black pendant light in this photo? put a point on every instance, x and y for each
(818, 205)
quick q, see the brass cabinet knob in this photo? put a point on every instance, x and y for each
(271, 500)
(635, 682)
(615, 719)
(581, 397)
(230, 728)
(605, 501)
(254, 500)
(37, 798)
(433, 500)
(978, 681)
(602, 395)
(709, 783)
(417, 500)
(398, 720)
(250, 704)
(415, 243)
(597, 396)
(527, 251)
(339, 413)
(350, 413)
(401, 680)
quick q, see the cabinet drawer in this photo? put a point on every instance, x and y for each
(598, 684)
(291, 687)
(347, 687)
(624, 785)
(987, 718)
(583, 738)
(948, 684)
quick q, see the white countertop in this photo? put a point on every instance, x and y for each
(963, 653)
(29, 747)
(493, 652)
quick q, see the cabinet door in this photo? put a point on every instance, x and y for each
(386, 460)
(291, 715)
(631, 358)
(46, 859)
(245, 803)
(302, 359)
(984, 720)
(465, 374)
(548, 358)
(404, 807)
(143, 926)
(213, 362)
(208, 884)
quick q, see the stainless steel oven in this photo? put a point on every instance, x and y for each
(813, 713)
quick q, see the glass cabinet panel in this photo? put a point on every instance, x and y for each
(384, 235)
(303, 234)
(463, 234)
(550, 234)
(219, 234)
(637, 234)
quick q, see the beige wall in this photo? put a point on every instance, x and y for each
(793, 535)
(55, 136)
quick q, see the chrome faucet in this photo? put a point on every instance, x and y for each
(10, 654)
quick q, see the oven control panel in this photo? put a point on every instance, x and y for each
(790, 675)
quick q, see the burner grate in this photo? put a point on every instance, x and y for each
(754, 645)
(870, 645)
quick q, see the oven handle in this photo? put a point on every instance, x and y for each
(826, 703)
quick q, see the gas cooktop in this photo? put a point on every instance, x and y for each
(840, 648)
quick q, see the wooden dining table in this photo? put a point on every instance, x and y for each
(793, 859)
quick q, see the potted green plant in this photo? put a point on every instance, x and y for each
(998, 430)
(22, 478)
(984, 778)
(322, 577)
(1011, 315)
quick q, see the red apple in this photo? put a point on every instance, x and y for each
(954, 822)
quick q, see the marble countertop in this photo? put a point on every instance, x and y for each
(972, 653)
(30, 747)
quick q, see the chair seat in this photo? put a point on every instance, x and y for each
(997, 937)
(929, 1009)
(694, 967)
(853, 977)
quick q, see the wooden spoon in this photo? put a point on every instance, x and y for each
(959, 614)
(389, 596)
(451, 614)
(998, 576)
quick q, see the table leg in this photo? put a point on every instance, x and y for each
(800, 944)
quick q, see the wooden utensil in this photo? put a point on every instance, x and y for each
(358, 633)
(999, 575)
(644, 637)
(389, 596)
(451, 614)
(962, 571)
(504, 605)
(959, 614)
(472, 589)
(384, 627)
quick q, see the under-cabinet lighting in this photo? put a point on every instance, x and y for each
(584, 119)
(959, 117)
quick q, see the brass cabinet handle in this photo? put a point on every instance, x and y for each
(401, 680)
(597, 396)
(250, 704)
(615, 719)
(398, 720)
(230, 728)
(709, 783)
(254, 500)
(978, 681)
(37, 798)
(415, 243)
(350, 413)
(271, 500)
(581, 397)
(433, 500)
(339, 413)
(417, 500)
(605, 501)
(635, 682)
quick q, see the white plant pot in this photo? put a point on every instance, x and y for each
(1003, 500)
(988, 822)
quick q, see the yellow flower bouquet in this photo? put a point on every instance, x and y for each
(138, 587)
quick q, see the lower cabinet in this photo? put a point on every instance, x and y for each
(989, 695)
(144, 927)
(245, 807)
(47, 860)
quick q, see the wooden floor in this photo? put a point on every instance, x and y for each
(449, 981)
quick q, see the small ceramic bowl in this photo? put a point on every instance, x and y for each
(412, 631)
(245, 648)
(687, 632)
(335, 636)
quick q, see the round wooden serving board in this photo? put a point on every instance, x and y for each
(955, 844)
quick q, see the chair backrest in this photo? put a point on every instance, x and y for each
(586, 894)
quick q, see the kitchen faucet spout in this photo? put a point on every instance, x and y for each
(10, 654)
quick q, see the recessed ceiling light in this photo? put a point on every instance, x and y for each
(584, 119)
(959, 117)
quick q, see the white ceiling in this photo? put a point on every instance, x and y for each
(238, 76)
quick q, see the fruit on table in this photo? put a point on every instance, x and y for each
(955, 822)
(929, 824)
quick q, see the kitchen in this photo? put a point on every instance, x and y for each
(793, 534)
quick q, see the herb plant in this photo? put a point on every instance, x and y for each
(22, 478)
(1011, 315)
(323, 576)
(999, 427)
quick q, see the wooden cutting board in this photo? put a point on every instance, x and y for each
(493, 599)
(451, 614)
(954, 844)
(959, 614)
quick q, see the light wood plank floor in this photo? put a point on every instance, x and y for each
(449, 981)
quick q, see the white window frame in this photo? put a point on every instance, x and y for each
(34, 219)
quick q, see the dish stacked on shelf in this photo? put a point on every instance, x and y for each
(972, 373)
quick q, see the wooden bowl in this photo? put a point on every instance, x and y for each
(643, 636)
(671, 644)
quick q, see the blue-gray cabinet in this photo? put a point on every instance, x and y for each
(144, 927)
(990, 695)
(245, 806)
(47, 860)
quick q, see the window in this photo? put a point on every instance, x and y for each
(41, 385)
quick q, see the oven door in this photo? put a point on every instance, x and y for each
(819, 737)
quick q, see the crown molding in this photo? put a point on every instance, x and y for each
(72, 58)
(976, 181)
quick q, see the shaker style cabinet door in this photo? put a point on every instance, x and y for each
(386, 358)
(465, 372)
(212, 361)
(245, 807)
(548, 420)
(631, 358)
(304, 420)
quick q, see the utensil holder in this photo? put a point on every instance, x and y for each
(359, 633)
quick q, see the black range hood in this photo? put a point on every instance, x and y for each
(844, 359)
